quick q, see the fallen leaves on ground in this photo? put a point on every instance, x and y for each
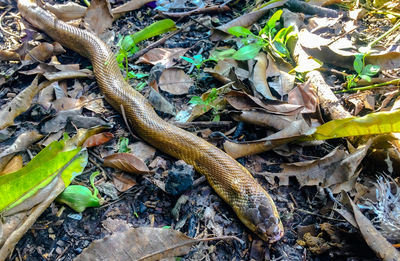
(126, 162)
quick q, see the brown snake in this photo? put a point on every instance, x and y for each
(230, 180)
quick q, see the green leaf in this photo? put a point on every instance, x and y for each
(222, 54)
(189, 60)
(39, 172)
(247, 52)
(196, 100)
(365, 77)
(198, 59)
(371, 124)
(154, 29)
(123, 145)
(358, 63)
(274, 18)
(370, 69)
(281, 49)
(127, 43)
(239, 31)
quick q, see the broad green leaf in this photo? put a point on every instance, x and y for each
(371, 70)
(154, 29)
(39, 172)
(247, 52)
(222, 54)
(281, 49)
(123, 145)
(196, 100)
(198, 59)
(373, 123)
(281, 34)
(365, 77)
(239, 31)
(189, 60)
(358, 63)
(274, 18)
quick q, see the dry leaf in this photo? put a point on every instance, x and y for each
(304, 95)
(67, 12)
(259, 78)
(175, 81)
(129, 6)
(243, 101)
(126, 162)
(160, 103)
(337, 170)
(18, 105)
(44, 51)
(9, 55)
(142, 150)
(165, 56)
(282, 81)
(98, 139)
(123, 182)
(13, 165)
(98, 16)
(382, 248)
(264, 119)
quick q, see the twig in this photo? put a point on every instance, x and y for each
(1, 24)
(127, 124)
(209, 9)
(395, 82)
(161, 41)
(318, 215)
(203, 124)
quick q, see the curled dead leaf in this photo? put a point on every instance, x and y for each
(126, 162)
(175, 81)
(98, 139)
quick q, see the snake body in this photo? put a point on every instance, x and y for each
(228, 178)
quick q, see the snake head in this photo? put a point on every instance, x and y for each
(262, 217)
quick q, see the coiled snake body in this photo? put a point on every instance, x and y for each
(230, 180)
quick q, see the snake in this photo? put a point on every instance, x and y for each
(230, 180)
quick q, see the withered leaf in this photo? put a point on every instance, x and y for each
(143, 243)
(98, 16)
(126, 162)
(123, 182)
(175, 81)
(165, 56)
(129, 6)
(67, 12)
(98, 139)
(259, 78)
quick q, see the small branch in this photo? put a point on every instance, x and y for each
(204, 124)
(205, 10)
(392, 82)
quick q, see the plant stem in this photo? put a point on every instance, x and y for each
(396, 81)
(372, 44)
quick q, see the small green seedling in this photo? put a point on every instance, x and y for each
(128, 44)
(268, 38)
(363, 71)
(123, 145)
(208, 102)
(198, 60)
(80, 197)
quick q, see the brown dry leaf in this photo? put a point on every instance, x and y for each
(44, 51)
(98, 16)
(15, 226)
(143, 243)
(19, 104)
(324, 2)
(129, 6)
(98, 139)
(244, 101)
(264, 119)
(175, 81)
(160, 103)
(304, 95)
(67, 12)
(362, 100)
(165, 56)
(9, 55)
(337, 170)
(292, 132)
(283, 82)
(382, 248)
(123, 182)
(259, 77)
(126, 162)
(13, 165)
(245, 20)
(66, 103)
(142, 150)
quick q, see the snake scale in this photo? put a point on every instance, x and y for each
(227, 177)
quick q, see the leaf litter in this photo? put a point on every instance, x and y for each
(275, 103)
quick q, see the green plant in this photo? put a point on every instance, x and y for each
(128, 44)
(123, 145)
(363, 71)
(269, 38)
(208, 102)
(197, 60)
